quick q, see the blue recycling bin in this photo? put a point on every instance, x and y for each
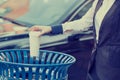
(19, 65)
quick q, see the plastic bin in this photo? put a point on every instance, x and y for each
(18, 65)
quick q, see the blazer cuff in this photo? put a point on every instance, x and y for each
(57, 29)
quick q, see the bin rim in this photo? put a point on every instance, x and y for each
(37, 65)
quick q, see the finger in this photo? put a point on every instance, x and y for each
(33, 29)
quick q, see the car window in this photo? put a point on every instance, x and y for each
(80, 11)
(83, 11)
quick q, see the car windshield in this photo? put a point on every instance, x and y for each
(43, 12)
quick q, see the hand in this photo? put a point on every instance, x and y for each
(41, 29)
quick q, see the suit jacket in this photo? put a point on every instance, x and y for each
(105, 62)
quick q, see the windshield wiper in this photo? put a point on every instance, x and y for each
(16, 22)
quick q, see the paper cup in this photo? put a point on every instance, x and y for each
(34, 43)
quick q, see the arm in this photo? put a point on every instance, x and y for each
(77, 25)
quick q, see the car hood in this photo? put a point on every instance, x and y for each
(22, 40)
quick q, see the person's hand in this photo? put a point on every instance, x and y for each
(41, 29)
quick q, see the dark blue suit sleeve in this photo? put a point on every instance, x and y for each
(57, 29)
